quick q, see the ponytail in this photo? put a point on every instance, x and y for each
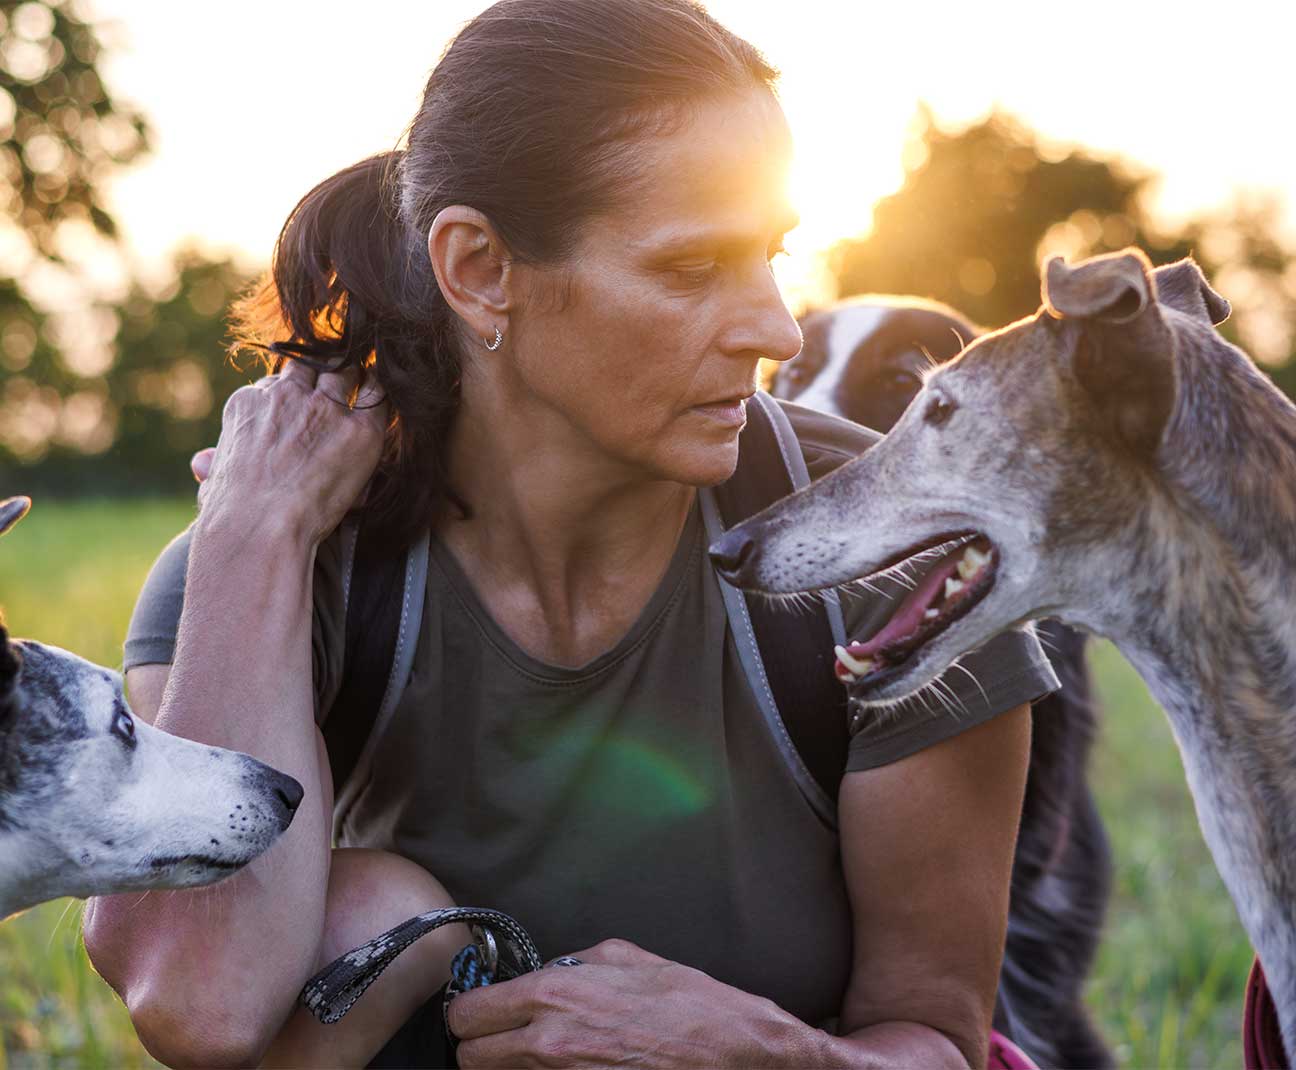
(351, 286)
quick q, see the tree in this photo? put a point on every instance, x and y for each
(95, 394)
(977, 209)
(133, 428)
(61, 132)
(982, 207)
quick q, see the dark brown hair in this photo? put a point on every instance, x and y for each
(525, 118)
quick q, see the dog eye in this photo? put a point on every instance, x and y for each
(124, 726)
(939, 409)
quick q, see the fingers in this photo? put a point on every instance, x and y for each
(339, 384)
(517, 1047)
(295, 371)
(371, 394)
(617, 952)
(495, 1008)
(200, 463)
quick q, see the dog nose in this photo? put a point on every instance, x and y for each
(731, 551)
(287, 795)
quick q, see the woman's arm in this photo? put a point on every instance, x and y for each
(369, 892)
(211, 975)
(927, 846)
(208, 974)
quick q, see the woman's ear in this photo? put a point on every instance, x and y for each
(471, 269)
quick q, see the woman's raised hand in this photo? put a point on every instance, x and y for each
(292, 455)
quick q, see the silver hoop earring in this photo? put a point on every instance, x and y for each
(499, 340)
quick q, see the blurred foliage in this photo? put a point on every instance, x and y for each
(96, 394)
(981, 207)
(61, 133)
(133, 428)
(113, 393)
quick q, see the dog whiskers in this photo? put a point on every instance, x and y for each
(971, 676)
(866, 585)
(55, 927)
(941, 688)
(794, 601)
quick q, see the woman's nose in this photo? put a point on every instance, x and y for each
(788, 337)
(778, 335)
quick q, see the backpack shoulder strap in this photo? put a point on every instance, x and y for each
(789, 653)
(384, 611)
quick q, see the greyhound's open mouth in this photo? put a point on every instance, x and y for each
(959, 580)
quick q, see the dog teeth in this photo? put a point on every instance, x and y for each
(953, 586)
(931, 614)
(858, 666)
(971, 562)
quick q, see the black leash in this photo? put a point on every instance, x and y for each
(500, 951)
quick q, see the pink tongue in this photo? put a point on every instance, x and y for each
(909, 616)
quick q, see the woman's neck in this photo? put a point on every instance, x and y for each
(564, 544)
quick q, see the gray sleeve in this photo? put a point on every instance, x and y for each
(150, 638)
(1009, 670)
(155, 622)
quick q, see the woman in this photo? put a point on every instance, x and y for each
(565, 279)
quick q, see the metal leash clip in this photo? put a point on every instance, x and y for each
(500, 951)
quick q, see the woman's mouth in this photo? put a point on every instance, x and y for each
(959, 580)
(732, 411)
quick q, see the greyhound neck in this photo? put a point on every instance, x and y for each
(27, 876)
(1230, 455)
(1237, 737)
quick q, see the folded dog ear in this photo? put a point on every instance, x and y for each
(12, 510)
(1123, 355)
(1183, 287)
(1114, 288)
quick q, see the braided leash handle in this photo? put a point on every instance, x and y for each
(333, 991)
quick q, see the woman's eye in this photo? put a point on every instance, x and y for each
(124, 726)
(694, 276)
(938, 410)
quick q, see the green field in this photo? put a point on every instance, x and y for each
(1167, 989)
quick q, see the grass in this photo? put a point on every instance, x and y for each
(1167, 989)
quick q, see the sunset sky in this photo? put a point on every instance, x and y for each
(254, 102)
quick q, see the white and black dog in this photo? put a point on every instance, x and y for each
(864, 359)
(94, 802)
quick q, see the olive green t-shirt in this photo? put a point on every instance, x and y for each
(645, 795)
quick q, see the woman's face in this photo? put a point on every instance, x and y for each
(672, 301)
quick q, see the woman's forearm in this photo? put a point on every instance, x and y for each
(209, 974)
(788, 1041)
(892, 1044)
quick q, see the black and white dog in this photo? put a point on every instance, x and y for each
(93, 802)
(864, 359)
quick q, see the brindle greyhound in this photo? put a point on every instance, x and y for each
(864, 359)
(1113, 462)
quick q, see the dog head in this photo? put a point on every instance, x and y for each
(866, 357)
(94, 801)
(1036, 445)
(101, 802)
